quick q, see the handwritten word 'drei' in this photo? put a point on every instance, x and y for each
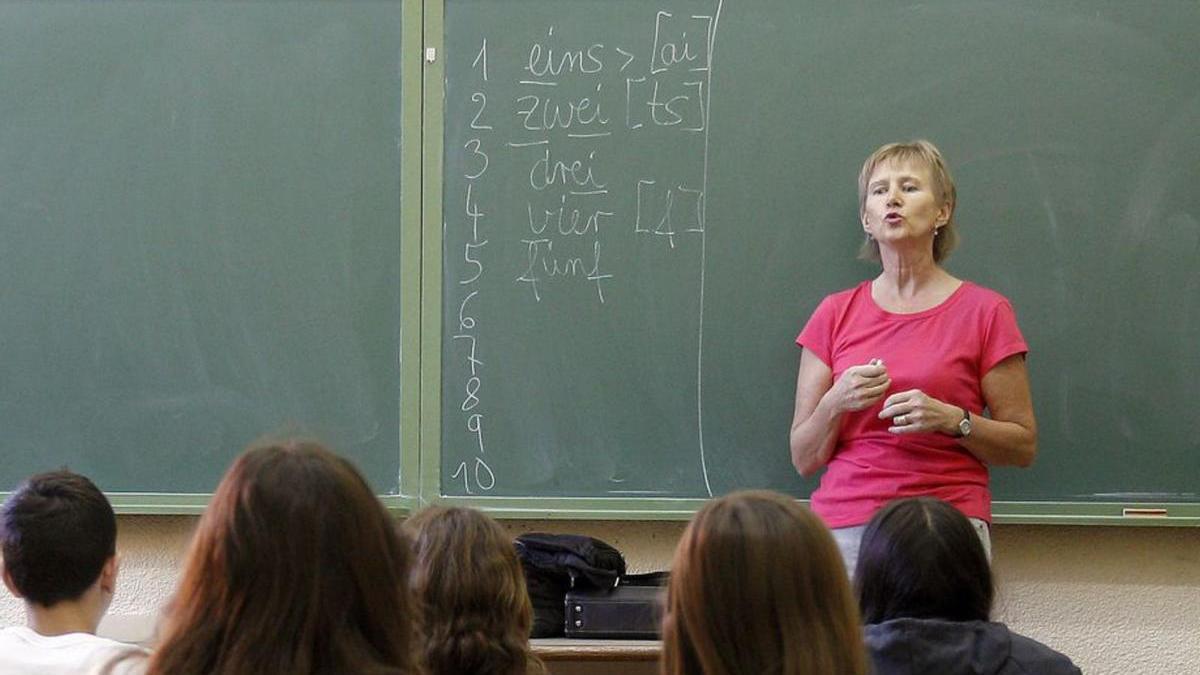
(575, 175)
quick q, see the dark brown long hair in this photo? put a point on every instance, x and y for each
(468, 581)
(758, 586)
(295, 568)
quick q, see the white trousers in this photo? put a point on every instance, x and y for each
(849, 538)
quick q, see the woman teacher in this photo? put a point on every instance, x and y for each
(895, 373)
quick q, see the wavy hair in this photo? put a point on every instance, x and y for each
(758, 586)
(295, 568)
(476, 611)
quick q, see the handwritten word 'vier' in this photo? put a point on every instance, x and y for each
(567, 220)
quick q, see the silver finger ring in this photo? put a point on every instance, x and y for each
(902, 420)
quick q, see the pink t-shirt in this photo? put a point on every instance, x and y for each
(944, 351)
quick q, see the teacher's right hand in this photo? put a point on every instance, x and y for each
(859, 387)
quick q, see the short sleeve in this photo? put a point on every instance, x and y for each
(1001, 337)
(122, 660)
(817, 335)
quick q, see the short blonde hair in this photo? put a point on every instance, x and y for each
(926, 154)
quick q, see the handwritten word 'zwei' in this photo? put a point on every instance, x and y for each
(543, 113)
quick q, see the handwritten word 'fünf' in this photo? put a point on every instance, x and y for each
(543, 264)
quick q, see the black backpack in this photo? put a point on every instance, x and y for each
(556, 563)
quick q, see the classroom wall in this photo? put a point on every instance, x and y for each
(1119, 600)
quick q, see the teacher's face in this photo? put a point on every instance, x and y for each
(902, 208)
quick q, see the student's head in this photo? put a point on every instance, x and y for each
(59, 539)
(468, 580)
(758, 586)
(921, 558)
(294, 568)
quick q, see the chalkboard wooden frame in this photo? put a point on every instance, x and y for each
(411, 203)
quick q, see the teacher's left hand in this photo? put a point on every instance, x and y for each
(914, 411)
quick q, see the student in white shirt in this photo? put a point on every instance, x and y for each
(58, 535)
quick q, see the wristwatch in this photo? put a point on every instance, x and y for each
(964, 425)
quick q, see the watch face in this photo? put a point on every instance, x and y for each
(964, 427)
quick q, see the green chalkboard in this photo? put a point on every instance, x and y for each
(200, 236)
(642, 203)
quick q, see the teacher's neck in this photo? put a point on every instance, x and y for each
(906, 274)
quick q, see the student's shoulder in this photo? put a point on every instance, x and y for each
(118, 659)
(25, 639)
(1035, 657)
(14, 633)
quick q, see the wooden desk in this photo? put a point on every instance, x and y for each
(598, 657)
(562, 656)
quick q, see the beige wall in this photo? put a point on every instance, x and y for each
(1118, 600)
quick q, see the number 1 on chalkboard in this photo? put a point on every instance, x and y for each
(481, 59)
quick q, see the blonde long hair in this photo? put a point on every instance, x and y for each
(758, 586)
(469, 584)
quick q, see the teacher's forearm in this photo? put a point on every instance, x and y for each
(812, 440)
(1001, 443)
